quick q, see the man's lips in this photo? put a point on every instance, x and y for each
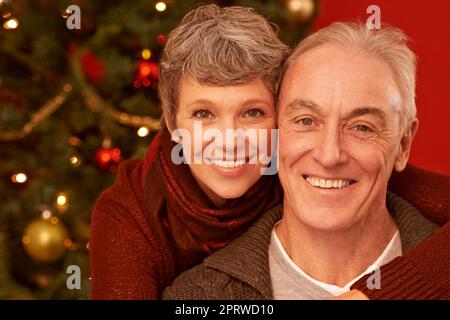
(328, 183)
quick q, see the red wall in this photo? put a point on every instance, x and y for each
(428, 25)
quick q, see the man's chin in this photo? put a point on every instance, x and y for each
(326, 217)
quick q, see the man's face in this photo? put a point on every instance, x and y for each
(340, 136)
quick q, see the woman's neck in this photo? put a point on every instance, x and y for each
(217, 200)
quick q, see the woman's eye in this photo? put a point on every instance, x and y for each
(202, 114)
(253, 113)
(306, 121)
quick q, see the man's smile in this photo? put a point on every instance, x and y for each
(328, 183)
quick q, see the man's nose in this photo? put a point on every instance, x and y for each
(328, 150)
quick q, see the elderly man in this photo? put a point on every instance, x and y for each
(347, 119)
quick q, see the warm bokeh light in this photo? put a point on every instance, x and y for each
(146, 54)
(74, 161)
(61, 199)
(19, 178)
(300, 5)
(11, 24)
(143, 132)
(161, 6)
(46, 214)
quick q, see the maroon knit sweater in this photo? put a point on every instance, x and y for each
(131, 257)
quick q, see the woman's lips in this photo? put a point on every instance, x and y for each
(229, 168)
(227, 164)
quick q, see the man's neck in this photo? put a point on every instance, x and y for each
(336, 257)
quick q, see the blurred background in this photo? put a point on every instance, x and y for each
(75, 103)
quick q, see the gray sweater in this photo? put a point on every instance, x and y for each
(240, 271)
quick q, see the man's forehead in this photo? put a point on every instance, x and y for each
(322, 82)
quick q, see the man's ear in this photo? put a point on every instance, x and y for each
(405, 146)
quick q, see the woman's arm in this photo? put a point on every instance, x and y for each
(120, 261)
(427, 191)
(423, 272)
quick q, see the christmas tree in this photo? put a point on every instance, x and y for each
(73, 104)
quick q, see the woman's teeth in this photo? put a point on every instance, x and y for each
(328, 183)
(227, 164)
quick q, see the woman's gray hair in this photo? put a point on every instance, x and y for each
(219, 47)
(389, 44)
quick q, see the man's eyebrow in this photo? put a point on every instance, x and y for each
(362, 111)
(303, 104)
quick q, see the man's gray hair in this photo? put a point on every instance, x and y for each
(388, 44)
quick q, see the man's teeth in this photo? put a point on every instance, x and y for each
(227, 164)
(327, 183)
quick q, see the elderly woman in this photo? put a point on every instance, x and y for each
(220, 68)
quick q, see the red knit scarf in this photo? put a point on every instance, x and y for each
(195, 224)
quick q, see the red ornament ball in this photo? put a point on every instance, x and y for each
(146, 74)
(92, 66)
(108, 159)
(161, 40)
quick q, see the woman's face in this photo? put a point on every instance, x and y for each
(225, 129)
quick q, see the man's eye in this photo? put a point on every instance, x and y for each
(363, 128)
(253, 113)
(202, 114)
(306, 121)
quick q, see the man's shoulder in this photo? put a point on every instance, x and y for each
(413, 226)
(200, 283)
(240, 270)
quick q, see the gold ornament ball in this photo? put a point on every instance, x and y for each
(300, 10)
(43, 239)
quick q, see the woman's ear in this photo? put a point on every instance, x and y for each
(167, 123)
(405, 146)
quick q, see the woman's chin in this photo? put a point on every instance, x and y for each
(230, 195)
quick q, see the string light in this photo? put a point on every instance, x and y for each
(74, 161)
(68, 243)
(65, 14)
(143, 132)
(74, 141)
(12, 23)
(19, 178)
(54, 220)
(146, 54)
(302, 8)
(46, 214)
(43, 113)
(62, 202)
(161, 6)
